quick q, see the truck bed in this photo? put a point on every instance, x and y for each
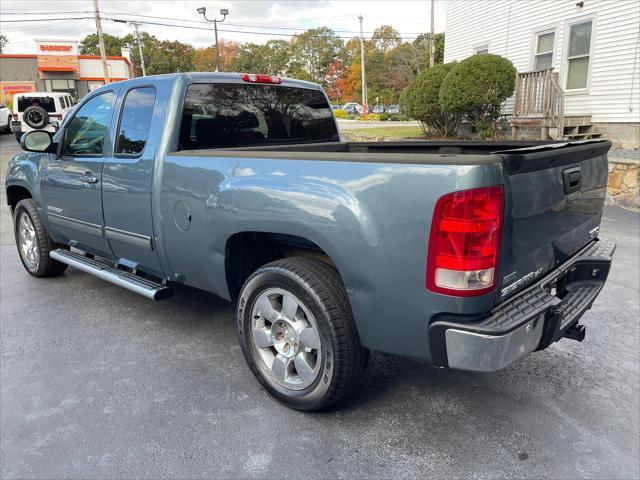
(420, 152)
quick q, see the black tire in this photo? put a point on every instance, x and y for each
(45, 265)
(319, 287)
(18, 136)
(36, 117)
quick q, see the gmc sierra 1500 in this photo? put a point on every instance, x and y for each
(467, 255)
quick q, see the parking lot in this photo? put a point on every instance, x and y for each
(98, 382)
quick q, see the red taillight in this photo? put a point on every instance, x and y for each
(248, 77)
(464, 242)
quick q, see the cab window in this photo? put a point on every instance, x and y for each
(85, 134)
(135, 121)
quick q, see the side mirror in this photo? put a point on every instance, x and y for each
(36, 141)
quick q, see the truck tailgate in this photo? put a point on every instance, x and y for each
(554, 195)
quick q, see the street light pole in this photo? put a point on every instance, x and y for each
(432, 45)
(224, 12)
(364, 82)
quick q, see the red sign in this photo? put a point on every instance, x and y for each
(16, 88)
(56, 48)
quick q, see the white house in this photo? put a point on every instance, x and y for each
(594, 50)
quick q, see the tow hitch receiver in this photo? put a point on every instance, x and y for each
(575, 332)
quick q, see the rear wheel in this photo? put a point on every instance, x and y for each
(297, 333)
(33, 242)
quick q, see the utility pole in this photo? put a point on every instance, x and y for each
(139, 40)
(432, 44)
(103, 54)
(224, 12)
(364, 81)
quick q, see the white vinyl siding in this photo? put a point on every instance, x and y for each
(510, 27)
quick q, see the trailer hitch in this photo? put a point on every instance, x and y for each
(576, 332)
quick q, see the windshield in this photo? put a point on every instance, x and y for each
(45, 102)
(230, 115)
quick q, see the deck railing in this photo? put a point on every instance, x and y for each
(538, 94)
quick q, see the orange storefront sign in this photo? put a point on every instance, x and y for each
(9, 89)
(55, 48)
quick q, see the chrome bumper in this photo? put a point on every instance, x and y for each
(487, 353)
(531, 320)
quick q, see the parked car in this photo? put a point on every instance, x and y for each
(467, 255)
(335, 106)
(39, 111)
(377, 108)
(5, 118)
(394, 109)
(352, 108)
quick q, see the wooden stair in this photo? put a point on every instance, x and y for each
(578, 127)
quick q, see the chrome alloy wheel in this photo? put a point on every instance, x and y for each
(286, 337)
(28, 242)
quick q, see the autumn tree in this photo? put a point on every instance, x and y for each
(271, 58)
(313, 51)
(112, 45)
(204, 59)
(3, 42)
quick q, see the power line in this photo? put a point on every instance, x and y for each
(246, 32)
(43, 20)
(354, 32)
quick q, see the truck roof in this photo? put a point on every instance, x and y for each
(225, 77)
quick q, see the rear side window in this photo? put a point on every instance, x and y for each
(48, 103)
(135, 120)
(232, 115)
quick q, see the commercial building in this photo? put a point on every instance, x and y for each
(57, 66)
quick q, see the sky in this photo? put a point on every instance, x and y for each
(248, 21)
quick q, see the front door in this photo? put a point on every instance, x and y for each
(127, 180)
(71, 183)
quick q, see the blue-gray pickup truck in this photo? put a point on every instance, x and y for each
(467, 255)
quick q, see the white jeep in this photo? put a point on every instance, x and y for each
(39, 111)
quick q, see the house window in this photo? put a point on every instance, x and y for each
(480, 49)
(578, 53)
(543, 59)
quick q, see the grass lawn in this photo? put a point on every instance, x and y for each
(412, 131)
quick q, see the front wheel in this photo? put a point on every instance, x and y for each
(33, 242)
(297, 333)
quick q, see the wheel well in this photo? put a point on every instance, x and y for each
(248, 251)
(15, 193)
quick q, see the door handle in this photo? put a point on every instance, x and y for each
(88, 178)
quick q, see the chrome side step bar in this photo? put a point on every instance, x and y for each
(105, 271)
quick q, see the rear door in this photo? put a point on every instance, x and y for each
(127, 181)
(71, 182)
(554, 195)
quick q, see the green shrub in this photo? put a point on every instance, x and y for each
(477, 88)
(421, 101)
(395, 117)
(10, 105)
(340, 113)
(385, 116)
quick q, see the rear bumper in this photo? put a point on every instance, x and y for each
(16, 127)
(532, 320)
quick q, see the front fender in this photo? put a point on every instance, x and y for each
(24, 170)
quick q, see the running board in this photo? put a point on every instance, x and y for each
(105, 271)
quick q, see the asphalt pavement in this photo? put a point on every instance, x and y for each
(98, 382)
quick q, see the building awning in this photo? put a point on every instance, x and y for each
(57, 69)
